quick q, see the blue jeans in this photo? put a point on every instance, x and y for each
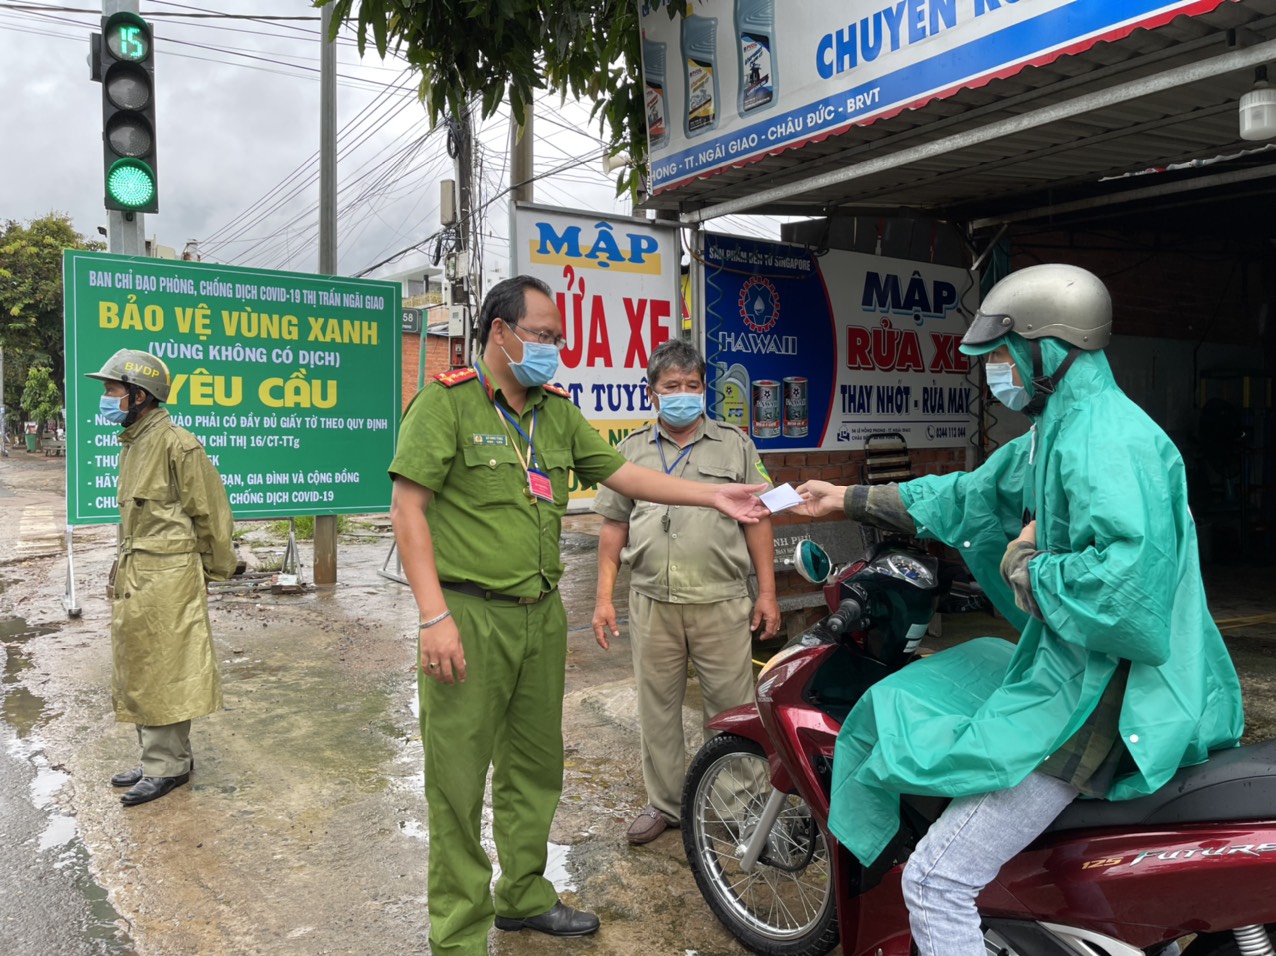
(963, 852)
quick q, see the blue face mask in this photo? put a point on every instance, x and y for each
(1001, 380)
(539, 364)
(109, 408)
(681, 408)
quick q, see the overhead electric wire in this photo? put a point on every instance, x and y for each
(378, 193)
(371, 115)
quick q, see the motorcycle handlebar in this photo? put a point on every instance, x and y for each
(847, 613)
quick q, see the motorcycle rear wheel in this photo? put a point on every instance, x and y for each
(786, 906)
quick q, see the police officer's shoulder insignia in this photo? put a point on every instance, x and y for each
(455, 377)
(762, 471)
(557, 391)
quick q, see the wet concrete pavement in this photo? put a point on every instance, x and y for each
(302, 829)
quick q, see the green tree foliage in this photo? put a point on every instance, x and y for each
(40, 398)
(31, 298)
(506, 50)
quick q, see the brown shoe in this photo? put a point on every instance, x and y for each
(649, 825)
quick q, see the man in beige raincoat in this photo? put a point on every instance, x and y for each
(175, 536)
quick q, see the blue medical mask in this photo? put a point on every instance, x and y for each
(539, 364)
(681, 408)
(109, 408)
(1001, 380)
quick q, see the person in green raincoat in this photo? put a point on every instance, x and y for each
(1079, 531)
(175, 535)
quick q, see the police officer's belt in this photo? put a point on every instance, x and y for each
(466, 587)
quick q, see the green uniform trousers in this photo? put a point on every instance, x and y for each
(507, 714)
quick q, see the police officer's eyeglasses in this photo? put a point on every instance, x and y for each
(544, 338)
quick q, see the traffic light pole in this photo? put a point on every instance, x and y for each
(125, 231)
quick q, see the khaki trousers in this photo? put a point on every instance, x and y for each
(166, 749)
(715, 638)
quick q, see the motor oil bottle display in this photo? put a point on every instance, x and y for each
(653, 61)
(733, 397)
(766, 408)
(755, 51)
(700, 59)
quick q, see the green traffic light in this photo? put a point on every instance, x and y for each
(128, 37)
(131, 183)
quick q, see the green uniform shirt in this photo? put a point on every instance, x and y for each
(680, 554)
(487, 527)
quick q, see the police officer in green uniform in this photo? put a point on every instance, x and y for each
(480, 489)
(175, 535)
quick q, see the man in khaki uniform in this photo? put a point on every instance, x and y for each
(175, 527)
(688, 590)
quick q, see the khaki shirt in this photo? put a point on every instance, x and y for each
(700, 555)
(487, 527)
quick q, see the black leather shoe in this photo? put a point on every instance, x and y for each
(129, 778)
(559, 921)
(152, 788)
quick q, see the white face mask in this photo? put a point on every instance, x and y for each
(1001, 380)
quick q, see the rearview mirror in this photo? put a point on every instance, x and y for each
(812, 562)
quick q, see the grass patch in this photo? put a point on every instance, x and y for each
(305, 527)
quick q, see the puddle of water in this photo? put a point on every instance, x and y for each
(25, 713)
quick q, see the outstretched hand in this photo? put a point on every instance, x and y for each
(741, 502)
(819, 498)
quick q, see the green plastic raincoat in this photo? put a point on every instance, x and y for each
(1119, 579)
(176, 533)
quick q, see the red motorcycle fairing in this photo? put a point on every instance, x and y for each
(1144, 886)
(745, 721)
(875, 922)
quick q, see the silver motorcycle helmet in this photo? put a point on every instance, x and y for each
(1047, 301)
(1050, 301)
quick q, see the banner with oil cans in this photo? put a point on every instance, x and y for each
(810, 352)
(728, 82)
(291, 381)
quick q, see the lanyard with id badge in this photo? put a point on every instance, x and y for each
(538, 483)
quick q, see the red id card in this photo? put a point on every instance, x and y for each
(539, 482)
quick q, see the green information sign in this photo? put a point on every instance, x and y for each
(291, 381)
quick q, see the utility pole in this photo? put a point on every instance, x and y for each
(521, 171)
(4, 418)
(458, 272)
(125, 231)
(326, 525)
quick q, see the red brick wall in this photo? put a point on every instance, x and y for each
(436, 361)
(841, 468)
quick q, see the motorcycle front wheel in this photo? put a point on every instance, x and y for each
(785, 906)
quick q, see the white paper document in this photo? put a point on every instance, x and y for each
(781, 498)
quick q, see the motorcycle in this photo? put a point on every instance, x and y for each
(1195, 859)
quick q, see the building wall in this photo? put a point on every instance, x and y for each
(436, 361)
(1165, 287)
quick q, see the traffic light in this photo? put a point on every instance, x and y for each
(126, 66)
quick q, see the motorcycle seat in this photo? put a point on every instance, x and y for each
(1233, 785)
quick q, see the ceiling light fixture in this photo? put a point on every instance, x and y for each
(1258, 108)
